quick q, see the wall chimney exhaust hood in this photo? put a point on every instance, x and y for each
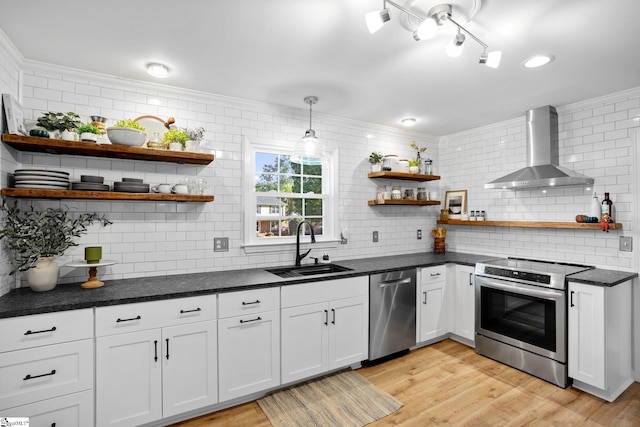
(542, 157)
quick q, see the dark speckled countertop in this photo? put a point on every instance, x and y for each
(23, 301)
(602, 277)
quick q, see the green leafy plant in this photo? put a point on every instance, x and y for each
(59, 121)
(89, 128)
(175, 135)
(414, 162)
(195, 134)
(375, 158)
(34, 234)
(129, 123)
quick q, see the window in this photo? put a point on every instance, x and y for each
(283, 193)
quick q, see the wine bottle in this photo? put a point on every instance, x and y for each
(607, 207)
(595, 207)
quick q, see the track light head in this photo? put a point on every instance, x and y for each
(426, 30)
(454, 49)
(376, 19)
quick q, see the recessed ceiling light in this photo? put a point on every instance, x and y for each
(538, 61)
(408, 122)
(158, 70)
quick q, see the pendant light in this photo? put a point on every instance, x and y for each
(309, 150)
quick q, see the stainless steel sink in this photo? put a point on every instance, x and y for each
(308, 270)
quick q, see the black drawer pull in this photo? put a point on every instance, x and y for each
(29, 377)
(425, 298)
(167, 348)
(251, 320)
(326, 317)
(190, 311)
(252, 302)
(128, 320)
(30, 332)
(333, 311)
(435, 275)
(155, 345)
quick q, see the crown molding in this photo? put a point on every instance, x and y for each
(7, 45)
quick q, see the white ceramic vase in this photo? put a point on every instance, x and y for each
(376, 168)
(88, 136)
(414, 169)
(69, 135)
(44, 275)
(175, 146)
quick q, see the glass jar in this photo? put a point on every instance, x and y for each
(422, 194)
(408, 194)
(380, 193)
(390, 162)
(396, 194)
(428, 166)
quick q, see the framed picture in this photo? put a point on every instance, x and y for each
(455, 203)
(13, 115)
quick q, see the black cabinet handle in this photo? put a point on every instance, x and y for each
(190, 311)
(128, 320)
(167, 348)
(251, 302)
(326, 317)
(333, 312)
(30, 332)
(435, 275)
(155, 345)
(571, 299)
(425, 298)
(30, 377)
(470, 280)
(251, 320)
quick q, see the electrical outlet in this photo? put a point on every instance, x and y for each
(419, 234)
(375, 237)
(626, 244)
(220, 244)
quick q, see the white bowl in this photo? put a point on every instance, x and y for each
(126, 136)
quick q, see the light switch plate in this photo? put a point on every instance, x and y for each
(220, 244)
(419, 234)
(626, 244)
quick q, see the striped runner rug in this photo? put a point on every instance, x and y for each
(342, 399)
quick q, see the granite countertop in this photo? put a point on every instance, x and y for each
(23, 301)
(602, 277)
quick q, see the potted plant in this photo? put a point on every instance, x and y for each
(414, 165)
(195, 136)
(375, 158)
(89, 132)
(176, 139)
(57, 123)
(127, 132)
(37, 236)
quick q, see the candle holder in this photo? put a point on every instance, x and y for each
(93, 281)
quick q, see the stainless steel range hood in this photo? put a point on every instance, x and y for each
(542, 156)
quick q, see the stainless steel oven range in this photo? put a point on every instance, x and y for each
(521, 315)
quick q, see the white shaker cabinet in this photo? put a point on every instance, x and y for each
(600, 338)
(155, 359)
(324, 326)
(432, 302)
(248, 342)
(464, 325)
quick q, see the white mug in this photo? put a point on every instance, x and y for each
(180, 189)
(162, 188)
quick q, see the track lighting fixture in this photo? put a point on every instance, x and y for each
(428, 27)
(309, 150)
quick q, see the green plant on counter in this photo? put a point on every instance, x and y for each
(89, 128)
(129, 123)
(414, 162)
(34, 234)
(375, 158)
(175, 135)
(59, 121)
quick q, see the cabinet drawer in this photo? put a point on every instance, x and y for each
(123, 318)
(43, 329)
(42, 373)
(73, 410)
(312, 293)
(433, 274)
(248, 302)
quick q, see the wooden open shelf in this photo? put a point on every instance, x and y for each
(397, 202)
(532, 224)
(59, 146)
(403, 176)
(32, 193)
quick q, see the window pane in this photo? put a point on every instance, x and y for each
(313, 207)
(297, 182)
(268, 207)
(287, 184)
(266, 183)
(266, 162)
(313, 170)
(286, 166)
(317, 225)
(312, 185)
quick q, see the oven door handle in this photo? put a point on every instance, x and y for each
(525, 290)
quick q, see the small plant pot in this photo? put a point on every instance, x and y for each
(376, 168)
(175, 146)
(414, 169)
(69, 135)
(89, 137)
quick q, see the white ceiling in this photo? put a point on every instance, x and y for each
(279, 51)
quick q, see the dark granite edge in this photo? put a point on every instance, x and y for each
(602, 277)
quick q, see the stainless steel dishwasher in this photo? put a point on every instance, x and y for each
(392, 312)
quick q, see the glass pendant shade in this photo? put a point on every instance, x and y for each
(309, 150)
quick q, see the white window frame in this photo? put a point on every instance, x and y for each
(253, 244)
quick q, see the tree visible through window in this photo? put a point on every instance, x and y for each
(287, 193)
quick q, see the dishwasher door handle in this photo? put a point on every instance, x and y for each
(406, 281)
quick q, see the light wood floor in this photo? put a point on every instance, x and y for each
(449, 384)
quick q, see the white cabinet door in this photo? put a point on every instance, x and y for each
(433, 322)
(305, 335)
(465, 303)
(586, 334)
(71, 410)
(128, 378)
(348, 331)
(248, 354)
(189, 367)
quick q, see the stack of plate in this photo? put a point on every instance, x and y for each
(90, 183)
(41, 179)
(131, 185)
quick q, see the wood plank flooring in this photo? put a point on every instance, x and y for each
(447, 383)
